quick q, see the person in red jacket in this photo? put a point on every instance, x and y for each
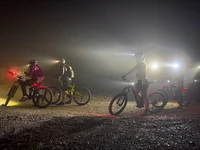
(34, 75)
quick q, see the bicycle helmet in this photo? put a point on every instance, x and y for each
(62, 60)
(31, 62)
(139, 54)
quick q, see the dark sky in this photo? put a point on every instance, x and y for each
(97, 35)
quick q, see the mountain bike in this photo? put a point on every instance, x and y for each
(40, 95)
(80, 94)
(119, 101)
(182, 95)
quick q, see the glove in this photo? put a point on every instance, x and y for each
(23, 79)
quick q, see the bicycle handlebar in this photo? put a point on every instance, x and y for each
(124, 79)
(14, 74)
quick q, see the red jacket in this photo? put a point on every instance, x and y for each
(35, 72)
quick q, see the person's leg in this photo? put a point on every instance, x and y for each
(138, 89)
(67, 88)
(63, 88)
(23, 88)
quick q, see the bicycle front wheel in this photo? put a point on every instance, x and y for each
(56, 93)
(117, 104)
(157, 101)
(42, 97)
(11, 93)
(185, 98)
(81, 95)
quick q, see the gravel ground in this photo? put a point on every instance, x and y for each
(91, 127)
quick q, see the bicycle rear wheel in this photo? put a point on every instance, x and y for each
(117, 104)
(81, 95)
(56, 93)
(157, 101)
(164, 92)
(185, 98)
(42, 97)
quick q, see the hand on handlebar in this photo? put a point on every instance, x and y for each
(23, 79)
(124, 76)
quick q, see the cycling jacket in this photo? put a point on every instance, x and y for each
(35, 73)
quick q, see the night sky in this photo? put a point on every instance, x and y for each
(96, 37)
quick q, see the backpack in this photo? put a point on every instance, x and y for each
(69, 72)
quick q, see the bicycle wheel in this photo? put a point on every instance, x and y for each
(164, 92)
(185, 98)
(42, 97)
(81, 95)
(117, 104)
(11, 93)
(157, 101)
(56, 93)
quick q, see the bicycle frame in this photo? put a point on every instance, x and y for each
(17, 83)
(71, 89)
(129, 88)
(170, 93)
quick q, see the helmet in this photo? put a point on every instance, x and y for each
(62, 60)
(31, 62)
(139, 54)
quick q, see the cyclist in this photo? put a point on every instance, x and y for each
(140, 70)
(66, 75)
(34, 75)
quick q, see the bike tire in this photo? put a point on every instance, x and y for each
(81, 95)
(42, 97)
(116, 99)
(56, 93)
(11, 93)
(157, 101)
(186, 98)
(164, 92)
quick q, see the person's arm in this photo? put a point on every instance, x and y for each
(129, 72)
(63, 71)
(29, 73)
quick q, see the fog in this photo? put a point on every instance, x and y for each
(98, 38)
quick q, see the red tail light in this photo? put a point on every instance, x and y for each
(11, 73)
(163, 86)
(35, 84)
(184, 89)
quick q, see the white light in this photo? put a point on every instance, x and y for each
(195, 80)
(168, 80)
(132, 83)
(133, 54)
(175, 65)
(155, 66)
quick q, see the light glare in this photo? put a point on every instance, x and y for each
(155, 66)
(175, 65)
